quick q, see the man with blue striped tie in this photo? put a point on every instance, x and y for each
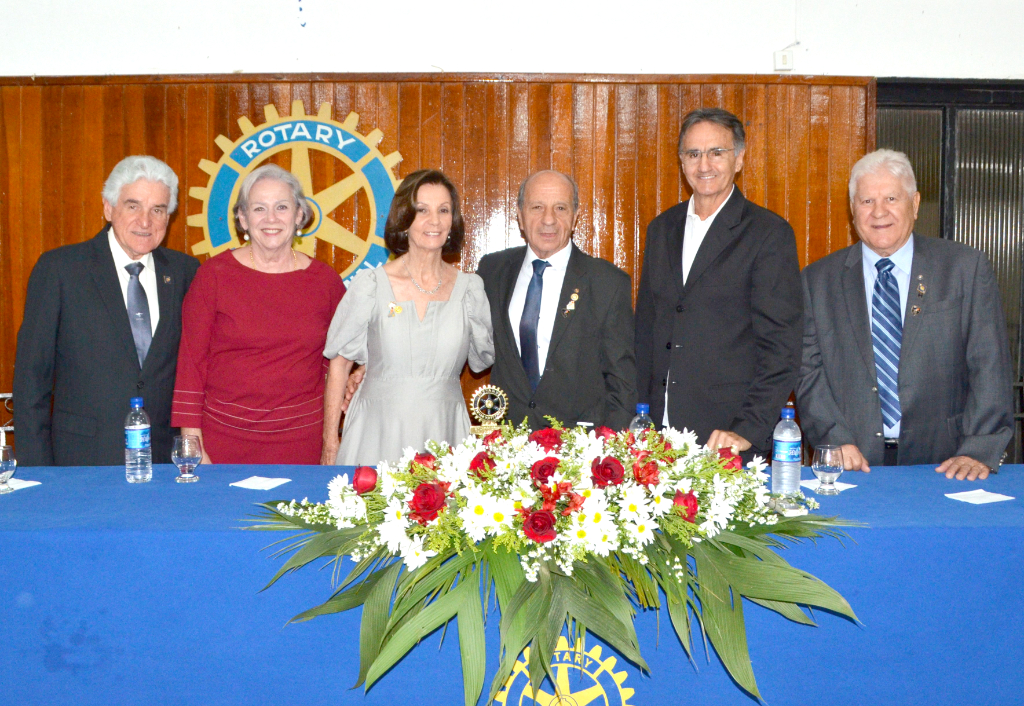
(906, 357)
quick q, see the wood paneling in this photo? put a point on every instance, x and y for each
(616, 135)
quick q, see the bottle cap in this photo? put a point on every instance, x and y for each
(643, 408)
(136, 402)
(788, 413)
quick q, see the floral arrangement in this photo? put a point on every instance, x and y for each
(573, 528)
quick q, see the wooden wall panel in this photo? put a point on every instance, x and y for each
(616, 135)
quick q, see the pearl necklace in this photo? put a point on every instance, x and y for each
(417, 285)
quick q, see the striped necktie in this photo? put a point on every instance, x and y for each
(886, 338)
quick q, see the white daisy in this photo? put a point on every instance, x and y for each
(414, 554)
(634, 505)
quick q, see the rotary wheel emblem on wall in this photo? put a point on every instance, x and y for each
(299, 133)
(583, 678)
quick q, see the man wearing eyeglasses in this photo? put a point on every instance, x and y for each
(719, 311)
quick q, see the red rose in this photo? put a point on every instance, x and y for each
(646, 473)
(364, 479)
(732, 461)
(605, 433)
(540, 526)
(426, 460)
(542, 470)
(427, 500)
(607, 472)
(482, 465)
(687, 505)
(494, 438)
(548, 439)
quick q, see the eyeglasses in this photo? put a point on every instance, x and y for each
(715, 155)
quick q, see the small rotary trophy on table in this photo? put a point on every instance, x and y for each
(488, 404)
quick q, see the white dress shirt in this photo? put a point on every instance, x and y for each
(147, 278)
(902, 261)
(694, 234)
(696, 231)
(553, 278)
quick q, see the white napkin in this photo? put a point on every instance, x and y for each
(813, 485)
(19, 484)
(261, 483)
(978, 497)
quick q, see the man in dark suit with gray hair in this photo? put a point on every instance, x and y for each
(905, 355)
(563, 320)
(102, 325)
(718, 314)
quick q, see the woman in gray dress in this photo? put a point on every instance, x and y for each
(413, 323)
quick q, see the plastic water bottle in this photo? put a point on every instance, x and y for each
(642, 421)
(786, 455)
(138, 453)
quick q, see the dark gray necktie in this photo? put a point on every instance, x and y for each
(528, 324)
(138, 312)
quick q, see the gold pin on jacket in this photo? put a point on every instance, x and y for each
(571, 306)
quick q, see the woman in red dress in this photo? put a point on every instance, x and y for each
(250, 367)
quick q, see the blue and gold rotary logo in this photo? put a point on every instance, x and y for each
(371, 173)
(581, 679)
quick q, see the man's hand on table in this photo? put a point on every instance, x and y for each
(853, 459)
(726, 439)
(963, 468)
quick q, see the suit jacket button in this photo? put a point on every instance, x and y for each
(680, 309)
(878, 433)
(140, 384)
(664, 382)
(669, 345)
(532, 404)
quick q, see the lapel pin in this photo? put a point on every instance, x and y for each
(167, 279)
(915, 310)
(921, 289)
(393, 309)
(571, 306)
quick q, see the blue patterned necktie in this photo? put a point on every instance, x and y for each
(528, 324)
(138, 312)
(886, 339)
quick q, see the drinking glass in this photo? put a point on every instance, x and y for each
(187, 454)
(7, 466)
(827, 465)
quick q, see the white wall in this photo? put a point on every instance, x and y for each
(922, 38)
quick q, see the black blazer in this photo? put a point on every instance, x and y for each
(75, 349)
(590, 370)
(731, 336)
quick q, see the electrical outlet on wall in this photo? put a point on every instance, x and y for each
(784, 60)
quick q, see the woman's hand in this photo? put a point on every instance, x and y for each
(195, 431)
(330, 452)
(334, 402)
(354, 380)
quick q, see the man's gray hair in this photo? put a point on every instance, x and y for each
(272, 171)
(717, 116)
(896, 163)
(575, 189)
(130, 169)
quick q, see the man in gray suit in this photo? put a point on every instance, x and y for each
(905, 354)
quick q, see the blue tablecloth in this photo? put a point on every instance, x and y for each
(115, 594)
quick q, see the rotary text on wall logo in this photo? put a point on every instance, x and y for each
(371, 173)
(582, 678)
